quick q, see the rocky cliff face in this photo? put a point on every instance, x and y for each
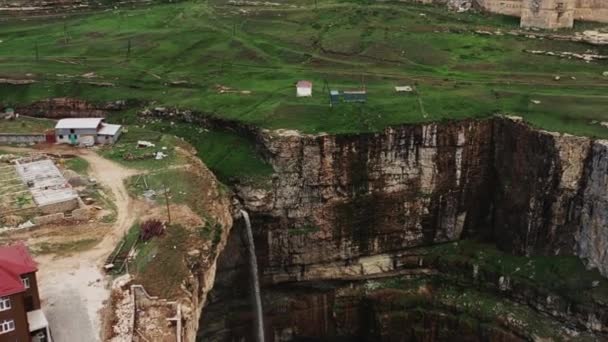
(340, 198)
(538, 179)
(65, 107)
(344, 206)
(592, 238)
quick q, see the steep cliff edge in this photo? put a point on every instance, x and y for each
(339, 198)
(356, 207)
(592, 238)
(344, 206)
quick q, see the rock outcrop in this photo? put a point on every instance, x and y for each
(65, 107)
(338, 198)
(343, 205)
(592, 238)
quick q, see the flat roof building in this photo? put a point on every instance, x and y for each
(50, 190)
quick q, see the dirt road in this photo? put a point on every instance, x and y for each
(73, 288)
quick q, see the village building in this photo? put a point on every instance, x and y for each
(304, 89)
(50, 190)
(21, 317)
(86, 131)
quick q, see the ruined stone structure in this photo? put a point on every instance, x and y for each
(546, 14)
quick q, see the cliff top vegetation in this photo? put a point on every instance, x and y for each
(240, 60)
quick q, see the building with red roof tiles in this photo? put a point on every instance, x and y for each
(21, 318)
(304, 89)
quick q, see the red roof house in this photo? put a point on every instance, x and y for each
(21, 318)
(15, 260)
(304, 89)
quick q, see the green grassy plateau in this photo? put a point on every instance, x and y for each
(241, 62)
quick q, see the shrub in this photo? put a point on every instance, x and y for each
(150, 229)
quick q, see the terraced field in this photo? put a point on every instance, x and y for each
(241, 62)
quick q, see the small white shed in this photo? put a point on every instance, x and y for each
(304, 89)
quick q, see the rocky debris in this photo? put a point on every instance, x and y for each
(460, 6)
(149, 194)
(257, 3)
(144, 144)
(180, 83)
(16, 82)
(590, 37)
(62, 108)
(594, 37)
(404, 89)
(11, 220)
(101, 84)
(27, 224)
(123, 310)
(605, 74)
(132, 156)
(8, 158)
(587, 57)
(74, 178)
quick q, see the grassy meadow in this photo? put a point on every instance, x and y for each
(241, 62)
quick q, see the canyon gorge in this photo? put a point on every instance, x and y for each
(377, 236)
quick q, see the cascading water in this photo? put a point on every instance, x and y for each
(253, 264)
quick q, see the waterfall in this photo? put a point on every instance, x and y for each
(253, 264)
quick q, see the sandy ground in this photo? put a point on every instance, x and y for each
(73, 288)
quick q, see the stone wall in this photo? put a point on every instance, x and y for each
(591, 10)
(60, 207)
(506, 7)
(46, 219)
(15, 138)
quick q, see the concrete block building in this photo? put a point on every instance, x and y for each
(50, 190)
(86, 131)
(21, 317)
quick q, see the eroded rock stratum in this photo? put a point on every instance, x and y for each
(343, 205)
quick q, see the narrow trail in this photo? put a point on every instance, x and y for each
(74, 289)
(112, 176)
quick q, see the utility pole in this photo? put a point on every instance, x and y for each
(167, 203)
(65, 32)
(129, 49)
